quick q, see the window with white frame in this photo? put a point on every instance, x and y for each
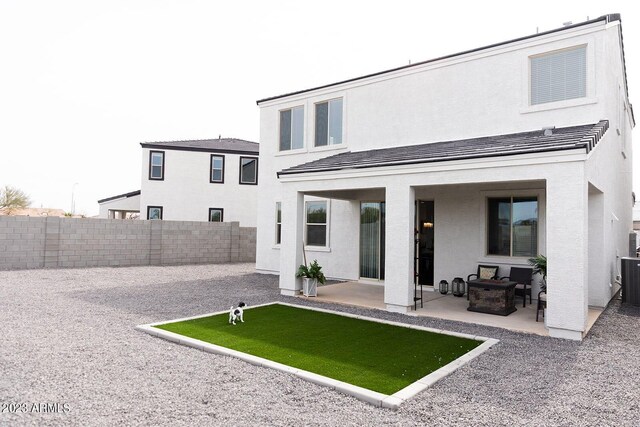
(512, 226)
(156, 165)
(558, 76)
(216, 214)
(278, 222)
(329, 123)
(316, 223)
(217, 169)
(248, 170)
(292, 129)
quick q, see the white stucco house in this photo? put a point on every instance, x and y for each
(120, 206)
(194, 180)
(488, 156)
(200, 180)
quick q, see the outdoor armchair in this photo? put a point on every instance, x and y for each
(522, 276)
(489, 272)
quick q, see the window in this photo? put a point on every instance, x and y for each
(156, 165)
(316, 228)
(513, 226)
(329, 123)
(248, 170)
(292, 129)
(216, 214)
(217, 169)
(278, 222)
(154, 212)
(559, 75)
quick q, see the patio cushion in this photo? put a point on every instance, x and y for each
(487, 273)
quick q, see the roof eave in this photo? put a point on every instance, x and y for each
(121, 196)
(200, 149)
(432, 161)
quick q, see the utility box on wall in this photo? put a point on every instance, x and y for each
(631, 280)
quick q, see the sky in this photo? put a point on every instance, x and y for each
(82, 83)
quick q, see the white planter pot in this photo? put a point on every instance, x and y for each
(309, 287)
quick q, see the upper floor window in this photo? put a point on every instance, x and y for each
(248, 170)
(559, 75)
(329, 123)
(217, 169)
(292, 128)
(513, 226)
(156, 165)
(216, 214)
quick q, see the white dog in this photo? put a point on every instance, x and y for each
(236, 313)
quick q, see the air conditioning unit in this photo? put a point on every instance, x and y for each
(631, 280)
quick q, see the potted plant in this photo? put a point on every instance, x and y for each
(539, 264)
(311, 275)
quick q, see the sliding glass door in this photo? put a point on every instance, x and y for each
(372, 240)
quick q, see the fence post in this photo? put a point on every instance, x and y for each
(235, 242)
(51, 241)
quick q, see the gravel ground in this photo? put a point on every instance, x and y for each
(66, 336)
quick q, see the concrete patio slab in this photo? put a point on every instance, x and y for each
(446, 307)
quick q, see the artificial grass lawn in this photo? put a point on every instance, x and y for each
(376, 356)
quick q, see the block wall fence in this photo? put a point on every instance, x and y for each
(30, 242)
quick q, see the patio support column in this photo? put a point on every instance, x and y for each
(567, 252)
(291, 241)
(398, 283)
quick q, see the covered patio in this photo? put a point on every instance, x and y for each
(447, 307)
(447, 209)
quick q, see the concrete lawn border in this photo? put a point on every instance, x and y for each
(378, 399)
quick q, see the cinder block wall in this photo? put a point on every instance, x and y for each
(100, 243)
(22, 242)
(28, 242)
(247, 244)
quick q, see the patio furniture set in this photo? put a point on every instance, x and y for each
(489, 293)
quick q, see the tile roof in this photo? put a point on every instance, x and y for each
(120, 196)
(583, 137)
(217, 145)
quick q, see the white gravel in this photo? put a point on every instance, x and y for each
(66, 336)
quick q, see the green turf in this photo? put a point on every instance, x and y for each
(376, 356)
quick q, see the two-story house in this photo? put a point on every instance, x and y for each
(489, 156)
(200, 180)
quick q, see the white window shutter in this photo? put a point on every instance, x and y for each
(558, 76)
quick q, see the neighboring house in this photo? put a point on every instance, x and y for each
(122, 206)
(200, 180)
(487, 156)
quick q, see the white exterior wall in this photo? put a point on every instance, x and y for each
(186, 193)
(477, 94)
(487, 91)
(122, 204)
